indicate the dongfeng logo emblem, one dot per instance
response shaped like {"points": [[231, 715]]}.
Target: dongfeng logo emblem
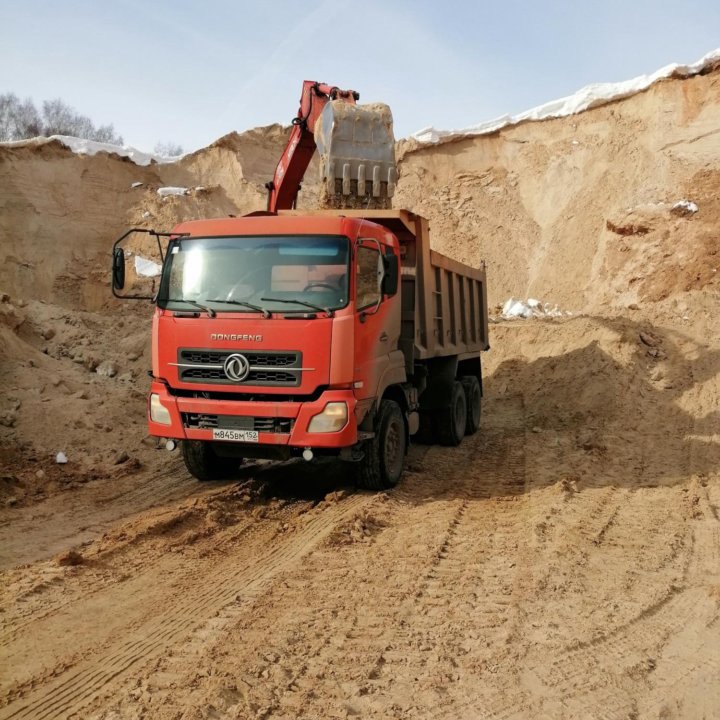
{"points": [[236, 367]]}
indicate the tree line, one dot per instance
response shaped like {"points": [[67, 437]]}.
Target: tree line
{"points": [[21, 119]]}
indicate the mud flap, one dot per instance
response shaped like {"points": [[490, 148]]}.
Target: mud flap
{"points": [[357, 155]]}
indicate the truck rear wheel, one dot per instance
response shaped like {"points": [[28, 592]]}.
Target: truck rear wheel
{"points": [[382, 464], [426, 431], [451, 420], [204, 464], [473, 399]]}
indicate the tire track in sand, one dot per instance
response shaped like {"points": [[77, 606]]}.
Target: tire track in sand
{"points": [[51, 592], [43, 530], [75, 689], [599, 675], [382, 649]]}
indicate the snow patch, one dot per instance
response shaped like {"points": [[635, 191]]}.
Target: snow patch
{"points": [[168, 191], [524, 309], [686, 206], [588, 97], [146, 268], [516, 309], [92, 147]]}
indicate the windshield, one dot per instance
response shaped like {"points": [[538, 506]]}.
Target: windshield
{"points": [[252, 274]]}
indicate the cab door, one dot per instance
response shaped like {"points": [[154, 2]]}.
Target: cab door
{"points": [[377, 321]]}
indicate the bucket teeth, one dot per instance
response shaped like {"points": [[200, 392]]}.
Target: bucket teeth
{"points": [[357, 155]]}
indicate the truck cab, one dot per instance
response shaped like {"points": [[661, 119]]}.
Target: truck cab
{"points": [[281, 335]]}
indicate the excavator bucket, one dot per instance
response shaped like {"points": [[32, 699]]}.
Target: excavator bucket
{"points": [[357, 155]]}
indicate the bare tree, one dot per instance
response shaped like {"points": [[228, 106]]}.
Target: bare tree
{"points": [[30, 121], [106, 133], [18, 119], [61, 119], [168, 149], [57, 118], [9, 105]]}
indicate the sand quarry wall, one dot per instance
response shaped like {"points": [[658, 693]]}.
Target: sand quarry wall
{"points": [[576, 210], [60, 212]]}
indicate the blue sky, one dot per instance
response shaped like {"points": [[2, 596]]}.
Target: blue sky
{"points": [[189, 72]]}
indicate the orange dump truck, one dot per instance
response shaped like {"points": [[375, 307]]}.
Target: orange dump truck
{"points": [[336, 332]]}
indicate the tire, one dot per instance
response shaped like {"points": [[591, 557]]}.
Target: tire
{"points": [[203, 464], [382, 464], [451, 419], [473, 400]]}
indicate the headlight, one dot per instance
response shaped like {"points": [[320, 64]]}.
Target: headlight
{"points": [[333, 418], [158, 412]]}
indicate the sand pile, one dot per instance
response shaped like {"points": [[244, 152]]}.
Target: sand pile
{"points": [[74, 359], [62, 211]]}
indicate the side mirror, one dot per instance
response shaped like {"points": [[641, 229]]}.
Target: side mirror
{"points": [[390, 279], [118, 269]]}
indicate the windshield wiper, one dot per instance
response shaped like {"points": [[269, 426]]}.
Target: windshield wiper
{"points": [[211, 313], [327, 311], [256, 308]]}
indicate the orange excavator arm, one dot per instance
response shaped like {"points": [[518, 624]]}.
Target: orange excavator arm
{"points": [[355, 142], [284, 187]]}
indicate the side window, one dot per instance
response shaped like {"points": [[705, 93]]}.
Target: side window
{"points": [[369, 275]]}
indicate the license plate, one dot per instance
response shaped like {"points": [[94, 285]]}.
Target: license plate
{"points": [[235, 435]]}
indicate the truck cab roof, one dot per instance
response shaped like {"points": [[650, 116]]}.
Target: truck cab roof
{"points": [[272, 224]]}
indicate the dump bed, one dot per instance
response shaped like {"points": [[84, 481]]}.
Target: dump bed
{"points": [[444, 302]]}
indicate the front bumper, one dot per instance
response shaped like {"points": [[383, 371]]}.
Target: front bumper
{"points": [[300, 413]]}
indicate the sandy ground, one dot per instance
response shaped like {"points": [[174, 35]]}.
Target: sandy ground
{"points": [[563, 563]]}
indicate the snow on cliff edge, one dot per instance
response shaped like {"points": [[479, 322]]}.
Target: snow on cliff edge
{"points": [[588, 97], [92, 147]]}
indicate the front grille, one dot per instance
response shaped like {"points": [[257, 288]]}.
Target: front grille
{"points": [[256, 377], [274, 369], [202, 421], [214, 357]]}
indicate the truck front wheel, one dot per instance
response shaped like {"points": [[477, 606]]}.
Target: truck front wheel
{"points": [[382, 464], [204, 464]]}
